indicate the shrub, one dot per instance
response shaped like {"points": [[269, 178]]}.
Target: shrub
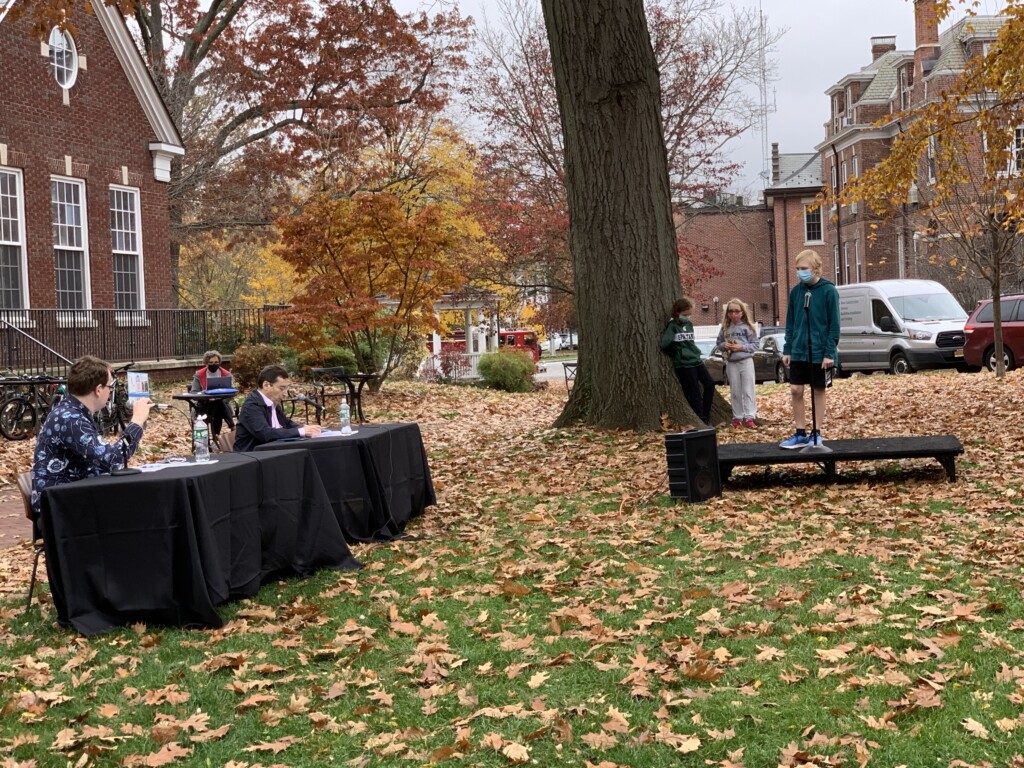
{"points": [[327, 357], [507, 370], [250, 359]]}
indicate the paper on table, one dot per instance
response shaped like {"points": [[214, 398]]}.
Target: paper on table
{"points": [[336, 433]]}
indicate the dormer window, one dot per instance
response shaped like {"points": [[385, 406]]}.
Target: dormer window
{"points": [[63, 58]]}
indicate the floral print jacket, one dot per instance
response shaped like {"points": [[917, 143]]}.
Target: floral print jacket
{"points": [[69, 447]]}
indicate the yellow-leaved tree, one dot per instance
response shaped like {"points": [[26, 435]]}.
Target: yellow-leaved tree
{"points": [[373, 262], [959, 160]]}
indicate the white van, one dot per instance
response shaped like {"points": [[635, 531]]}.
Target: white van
{"points": [[899, 326]]}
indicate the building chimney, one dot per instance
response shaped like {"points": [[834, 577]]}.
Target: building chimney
{"points": [[775, 162], [926, 35], [881, 46]]}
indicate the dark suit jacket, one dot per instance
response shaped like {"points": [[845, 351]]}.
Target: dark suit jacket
{"points": [[254, 424]]}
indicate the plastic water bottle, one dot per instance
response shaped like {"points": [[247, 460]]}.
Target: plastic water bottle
{"points": [[345, 414], [200, 439]]}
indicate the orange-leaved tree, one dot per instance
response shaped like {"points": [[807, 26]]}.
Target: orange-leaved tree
{"points": [[959, 158], [374, 263]]}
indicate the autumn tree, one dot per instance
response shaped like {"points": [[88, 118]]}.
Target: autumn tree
{"points": [[621, 232], [374, 263], [961, 155], [254, 87]]}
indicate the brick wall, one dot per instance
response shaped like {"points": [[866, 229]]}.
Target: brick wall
{"points": [[102, 129], [735, 242], [790, 240]]}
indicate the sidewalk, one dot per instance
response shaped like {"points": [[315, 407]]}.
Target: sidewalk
{"points": [[14, 526]]}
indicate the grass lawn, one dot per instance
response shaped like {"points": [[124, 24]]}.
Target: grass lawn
{"points": [[557, 608]]}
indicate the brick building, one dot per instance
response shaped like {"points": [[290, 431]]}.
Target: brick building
{"points": [[854, 244], [862, 124], [734, 240], [86, 146]]}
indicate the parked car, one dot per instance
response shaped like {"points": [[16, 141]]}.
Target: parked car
{"points": [[980, 347], [768, 365], [771, 330]]}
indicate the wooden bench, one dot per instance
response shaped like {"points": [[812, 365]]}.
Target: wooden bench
{"points": [[944, 448]]}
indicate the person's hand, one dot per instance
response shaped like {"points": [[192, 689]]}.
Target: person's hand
{"points": [[140, 410], [785, 360], [826, 362], [311, 430]]}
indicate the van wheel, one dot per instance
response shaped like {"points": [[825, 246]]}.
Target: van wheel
{"points": [[990, 359], [898, 363]]}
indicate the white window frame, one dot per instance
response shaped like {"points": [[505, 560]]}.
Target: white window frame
{"points": [[68, 42], [844, 174], [835, 178], [932, 158], [20, 244], [856, 260], [846, 261], [74, 315], [136, 196], [835, 263], [821, 223]]}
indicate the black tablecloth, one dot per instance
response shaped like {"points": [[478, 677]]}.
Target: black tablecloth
{"points": [[167, 547], [377, 479]]}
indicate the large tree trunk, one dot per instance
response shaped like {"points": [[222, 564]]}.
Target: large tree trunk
{"points": [[621, 233]]}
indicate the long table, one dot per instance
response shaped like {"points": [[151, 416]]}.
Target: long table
{"points": [[167, 547], [376, 478]]}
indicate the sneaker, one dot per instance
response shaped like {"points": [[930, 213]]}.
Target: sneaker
{"points": [[737, 423], [796, 441], [750, 423], [814, 439]]}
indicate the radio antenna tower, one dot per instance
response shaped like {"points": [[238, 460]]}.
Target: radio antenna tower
{"points": [[766, 171]]}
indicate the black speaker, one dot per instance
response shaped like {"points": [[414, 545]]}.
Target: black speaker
{"points": [[693, 465]]}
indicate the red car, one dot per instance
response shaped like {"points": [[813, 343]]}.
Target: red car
{"points": [[980, 347]]}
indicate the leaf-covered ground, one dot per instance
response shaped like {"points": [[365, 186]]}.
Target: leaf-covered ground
{"points": [[556, 608]]}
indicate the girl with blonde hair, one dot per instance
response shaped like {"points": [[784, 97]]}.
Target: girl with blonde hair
{"points": [[738, 340]]}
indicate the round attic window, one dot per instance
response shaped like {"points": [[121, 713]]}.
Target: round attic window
{"points": [[63, 57]]}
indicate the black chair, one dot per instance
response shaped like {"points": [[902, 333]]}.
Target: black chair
{"points": [[25, 486]]}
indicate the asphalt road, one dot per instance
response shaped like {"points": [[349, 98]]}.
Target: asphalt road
{"points": [[553, 371]]}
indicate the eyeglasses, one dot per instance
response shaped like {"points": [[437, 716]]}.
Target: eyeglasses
{"points": [[109, 384], [735, 311]]}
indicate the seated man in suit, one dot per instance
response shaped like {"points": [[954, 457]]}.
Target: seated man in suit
{"points": [[262, 419]]}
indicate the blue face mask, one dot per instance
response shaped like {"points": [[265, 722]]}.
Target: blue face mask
{"points": [[805, 275]]}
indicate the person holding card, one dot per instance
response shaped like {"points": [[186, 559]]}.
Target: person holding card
{"points": [[69, 446], [217, 412]]}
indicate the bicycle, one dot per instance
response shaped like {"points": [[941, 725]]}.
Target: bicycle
{"points": [[116, 412], [22, 412]]}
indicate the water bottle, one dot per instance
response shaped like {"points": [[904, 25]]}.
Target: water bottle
{"points": [[346, 417], [200, 439]]}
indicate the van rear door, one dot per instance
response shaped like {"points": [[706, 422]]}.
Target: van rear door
{"points": [[854, 324], [885, 326]]}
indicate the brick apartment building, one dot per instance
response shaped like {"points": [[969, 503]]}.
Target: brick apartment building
{"points": [[86, 146], [854, 244], [893, 82]]}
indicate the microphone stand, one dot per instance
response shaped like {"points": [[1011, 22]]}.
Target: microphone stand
{"points": [[815, 446]]}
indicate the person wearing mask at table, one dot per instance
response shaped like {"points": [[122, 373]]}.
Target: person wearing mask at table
{"points": [[69, 447], [218, 412], [262, 419]]}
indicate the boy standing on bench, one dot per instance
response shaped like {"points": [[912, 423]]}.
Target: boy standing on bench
{"points": [[814, 301]]}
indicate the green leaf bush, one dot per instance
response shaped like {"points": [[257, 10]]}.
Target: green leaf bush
{"points": [[330, 356], [509, 371]]}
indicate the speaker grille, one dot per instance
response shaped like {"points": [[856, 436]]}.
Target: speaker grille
{"points": [[693, 465]]}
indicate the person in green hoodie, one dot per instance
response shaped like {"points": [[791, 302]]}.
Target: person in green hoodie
{"points": [[810, 366], [677, 343]]}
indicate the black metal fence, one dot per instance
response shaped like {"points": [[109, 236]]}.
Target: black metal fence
{"points": [[44, 340]]}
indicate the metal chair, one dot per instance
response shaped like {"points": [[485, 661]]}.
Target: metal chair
{"points": [[25, 486]]}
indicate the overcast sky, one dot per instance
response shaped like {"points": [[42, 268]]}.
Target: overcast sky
{"points": [[824, 40]]}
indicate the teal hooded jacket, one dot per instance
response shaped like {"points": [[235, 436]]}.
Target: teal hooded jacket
{"points": [[824, 312]]}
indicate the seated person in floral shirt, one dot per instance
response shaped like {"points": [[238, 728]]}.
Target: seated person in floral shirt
{"points": [[69, 446]]}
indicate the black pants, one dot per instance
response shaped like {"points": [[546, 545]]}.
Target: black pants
{"points": [[699, 390], [217, 412]]}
